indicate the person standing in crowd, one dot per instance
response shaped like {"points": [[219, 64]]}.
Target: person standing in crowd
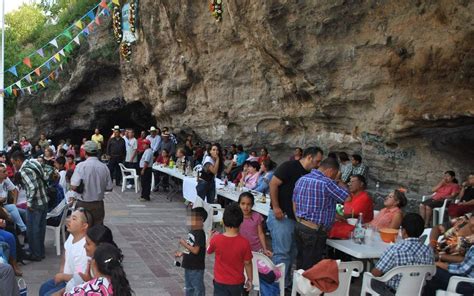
{"points": [[145, 170], [154, 138], [131, 159], [116, 152], [140, 148], [212, 166], [314, 199], [94, 178], [297, 154], [167, 144], [281, 218], [32, 177], [98, 138], [43, 142], [241, 155]]}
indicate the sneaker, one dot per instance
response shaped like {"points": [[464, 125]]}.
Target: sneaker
{"points": [[143, 199], [129, 186]]}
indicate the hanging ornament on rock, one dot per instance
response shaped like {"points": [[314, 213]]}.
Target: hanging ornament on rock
{"points": [[131, 16], [126, 50], [215, 6], [117, 24]]}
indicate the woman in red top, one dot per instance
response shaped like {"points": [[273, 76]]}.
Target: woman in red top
{"points": [[162, 178], [263, 155], [70, 165], [82, 151], [447, 188], [140, 148], [359, 201]]}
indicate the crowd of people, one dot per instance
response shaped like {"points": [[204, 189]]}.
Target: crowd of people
{"points": [[304, 191]]}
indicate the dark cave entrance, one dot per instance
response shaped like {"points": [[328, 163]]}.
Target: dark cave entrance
{"points": [[135, 115]]}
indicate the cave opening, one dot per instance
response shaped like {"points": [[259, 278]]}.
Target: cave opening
{"points": [[135, 115]]}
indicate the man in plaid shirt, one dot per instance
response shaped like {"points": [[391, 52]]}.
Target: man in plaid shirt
{"points": [[445, 271], [410, 251], [33, 179]]}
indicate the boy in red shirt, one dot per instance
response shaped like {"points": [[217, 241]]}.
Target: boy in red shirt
{"points": [[233, 254]]}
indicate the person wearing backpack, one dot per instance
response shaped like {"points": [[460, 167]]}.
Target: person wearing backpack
{"points": [[33, 178]]}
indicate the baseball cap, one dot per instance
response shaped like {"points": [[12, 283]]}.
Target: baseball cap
{"points": [[90, 146]]}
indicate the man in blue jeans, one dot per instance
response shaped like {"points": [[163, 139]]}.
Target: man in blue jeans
{"points": [[32, 176], [281, 218]]}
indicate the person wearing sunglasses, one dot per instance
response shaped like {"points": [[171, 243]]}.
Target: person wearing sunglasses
{"points": [[75, 258]]}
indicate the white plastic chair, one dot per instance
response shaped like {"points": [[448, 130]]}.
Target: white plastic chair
{"points": [[347, 270], [438, 213], [267, 261], [218, 213], [59, 230], [412, 280], [425, 237], [452, 285], [128, 174]]}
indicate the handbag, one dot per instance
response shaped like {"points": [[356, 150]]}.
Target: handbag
{"points": [[341, 230]]}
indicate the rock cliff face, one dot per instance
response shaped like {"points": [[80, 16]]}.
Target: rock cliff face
{"points": [[392, 80]]}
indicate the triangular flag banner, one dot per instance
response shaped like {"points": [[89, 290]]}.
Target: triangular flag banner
{"points": [[116, 2], [76, 39], [86, 32], [91, 27], [54, 42], [54, 60], [67, 34], [35, 87], [18, 83], [15, 92], [46, 80], [97, 20], [91, 15], [51, 76], [106, 11], [29, 90], [56, 73], [13, 71], [8, 90], [79, 24], [48, 64], [103, 4], [68, 48], [38, 71], [42, 83], [27, 61], [61, 66], [22, 91], [28, 78], [57, 57], [61, 52], [40, 52]]}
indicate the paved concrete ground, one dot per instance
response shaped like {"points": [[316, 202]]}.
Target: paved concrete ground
{"points": [[148, 235]]}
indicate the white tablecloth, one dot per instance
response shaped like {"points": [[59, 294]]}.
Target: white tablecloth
{"points": [[370, 250]]}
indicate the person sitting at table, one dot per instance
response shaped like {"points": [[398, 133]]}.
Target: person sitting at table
{"points": [[391, 215], [297, 154], [160, 177], [444, 271], [409, 251], [245, 167], [447, 188], [181, 158], [457, 238], [250, 177], [263, 155], [266, 174], [466, 197], [359, 201]]}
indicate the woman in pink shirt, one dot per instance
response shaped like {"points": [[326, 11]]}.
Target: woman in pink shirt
{"points": [[391, 215], [250, 178], [447, 188]]}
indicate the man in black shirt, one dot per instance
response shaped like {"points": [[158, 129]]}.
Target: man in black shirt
{"points": [[116, 150], [194, 253], [281, 218]]}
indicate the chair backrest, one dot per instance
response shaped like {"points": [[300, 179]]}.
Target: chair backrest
{"points": [[345, 276], [58, 209], [413, 278], [122, 167], [63, 217], [267, 261], [425, 237]]}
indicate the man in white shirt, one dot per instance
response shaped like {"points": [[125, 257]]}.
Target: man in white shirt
{"points": [[74, 259], [154, 139], [131, 159]]}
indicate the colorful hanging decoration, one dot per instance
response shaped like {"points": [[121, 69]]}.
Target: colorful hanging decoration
{"points": [[126, 50], [215, 6], [117, 24], [131, 16]]}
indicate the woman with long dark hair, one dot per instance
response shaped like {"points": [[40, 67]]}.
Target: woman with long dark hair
{"points": [[212, 166], [109, 276]]}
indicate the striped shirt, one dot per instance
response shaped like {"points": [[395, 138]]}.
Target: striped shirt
{"points": [[33, 178], [466, 267], [315, 197]]}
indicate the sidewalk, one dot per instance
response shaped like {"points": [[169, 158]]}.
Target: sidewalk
{"points": [[148, 235]]}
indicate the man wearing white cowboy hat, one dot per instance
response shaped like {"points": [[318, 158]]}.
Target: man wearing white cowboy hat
{"points": [[116, 150], [154, 138]]}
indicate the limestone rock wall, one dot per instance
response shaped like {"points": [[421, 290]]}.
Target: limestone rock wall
{"points": [[392, 80]]}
